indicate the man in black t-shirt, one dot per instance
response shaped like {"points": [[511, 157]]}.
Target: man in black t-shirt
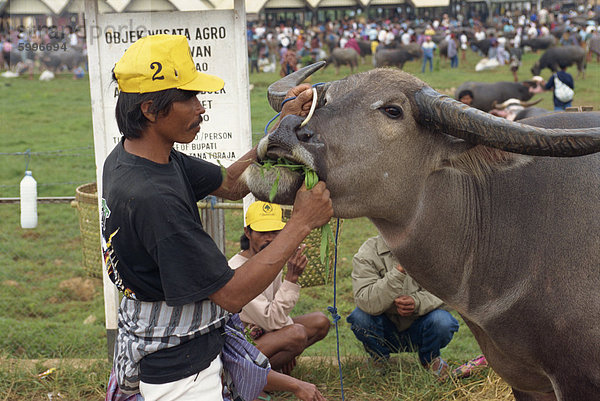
{"points": [[178, 286]]}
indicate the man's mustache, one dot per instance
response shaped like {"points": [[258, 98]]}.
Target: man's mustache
{"points": [[195, 124]]}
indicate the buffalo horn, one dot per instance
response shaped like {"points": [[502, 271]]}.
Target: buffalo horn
{"points": [[277, 91], [454, 118], [525, 104], [508, 102]]}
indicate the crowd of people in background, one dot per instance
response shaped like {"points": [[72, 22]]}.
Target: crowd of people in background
{"points": [[289, 44], [29, 51], [501, 41]]}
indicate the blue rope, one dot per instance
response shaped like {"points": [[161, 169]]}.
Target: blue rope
{"points": [[212, 200], [277, 115], [333, 309], [270, 121]]}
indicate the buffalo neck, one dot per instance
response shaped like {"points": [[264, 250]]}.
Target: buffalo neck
{"points": [[456, 245]]}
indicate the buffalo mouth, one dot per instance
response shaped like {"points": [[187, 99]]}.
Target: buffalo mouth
{"points": [[277, 176]]}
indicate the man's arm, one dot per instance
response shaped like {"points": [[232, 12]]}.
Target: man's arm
{"points": [[233, 187], [275, 314], [312, 209], [303, 390]]}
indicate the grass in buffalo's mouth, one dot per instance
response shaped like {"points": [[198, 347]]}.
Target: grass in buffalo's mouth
{"points": [[310, 176], [310, 180]]}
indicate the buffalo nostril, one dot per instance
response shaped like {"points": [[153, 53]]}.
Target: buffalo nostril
{"points": [[304, 135]]}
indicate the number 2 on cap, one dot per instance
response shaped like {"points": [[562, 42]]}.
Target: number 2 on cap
{"points": [[158, 69]]}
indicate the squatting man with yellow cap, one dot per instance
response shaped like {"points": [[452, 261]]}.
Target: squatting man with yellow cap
{"points": [[267, 317], [178, 287]]}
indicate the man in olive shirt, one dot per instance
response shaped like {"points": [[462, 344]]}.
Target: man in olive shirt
{"points": [[394, 314]]}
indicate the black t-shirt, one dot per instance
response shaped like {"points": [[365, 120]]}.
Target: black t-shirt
{"points": [[157, 250], [157, 246]]}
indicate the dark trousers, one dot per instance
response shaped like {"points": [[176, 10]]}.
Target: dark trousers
{"points": [[426, 335]]}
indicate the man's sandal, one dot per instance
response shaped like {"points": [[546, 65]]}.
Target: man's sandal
{"points": [[467, 369]]}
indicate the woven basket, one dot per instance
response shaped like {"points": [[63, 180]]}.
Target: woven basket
{"points": [[316, 272], [86, 201]]}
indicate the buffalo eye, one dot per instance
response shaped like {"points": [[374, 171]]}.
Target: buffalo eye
{"points": [[392, 111]]}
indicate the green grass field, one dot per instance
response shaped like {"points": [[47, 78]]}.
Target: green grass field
{"points": [[53, 313]]}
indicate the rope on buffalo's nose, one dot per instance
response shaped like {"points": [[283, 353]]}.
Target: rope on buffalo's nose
{"points": [[277, 115], [333, 309]]}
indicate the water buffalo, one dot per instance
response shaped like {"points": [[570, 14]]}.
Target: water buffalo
{"points": [[594, 45], [345, 56], [542, 42], [483, 46], [332, 40], [471, 208], [365, 48], [530, 112], [486, 93], [413, 48], [562, 56], [392, 57], [69, 59], [511, 108]]}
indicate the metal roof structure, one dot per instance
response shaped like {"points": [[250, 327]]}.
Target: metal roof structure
{"points": [[57, 7]]}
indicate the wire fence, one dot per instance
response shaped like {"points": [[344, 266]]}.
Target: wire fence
{"points": [[9, 183]]}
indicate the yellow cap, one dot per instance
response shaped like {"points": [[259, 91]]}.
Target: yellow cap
{"points": [[263, 217], [158, 62]]}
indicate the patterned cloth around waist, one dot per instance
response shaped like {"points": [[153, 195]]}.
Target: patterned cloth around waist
{"points": [[246, 368], [147, 327]]}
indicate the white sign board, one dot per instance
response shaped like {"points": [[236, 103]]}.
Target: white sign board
{"points": [[225, 134], [218, 45]]}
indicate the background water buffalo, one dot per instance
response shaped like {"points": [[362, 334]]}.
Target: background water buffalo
{"points": [[69, 58], [483, 46], [501, 233], [486, 93], [513, 108], [443, 49], [530, 112], [562, 56], [594, 45], [341, 56], [365, 48], [541, 43], [332, 40], [393, 57]]}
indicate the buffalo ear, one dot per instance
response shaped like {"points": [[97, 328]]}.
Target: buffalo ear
{"points": [[480, 161]]}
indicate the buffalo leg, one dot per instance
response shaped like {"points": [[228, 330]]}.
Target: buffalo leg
{"points": [[528, 396]]}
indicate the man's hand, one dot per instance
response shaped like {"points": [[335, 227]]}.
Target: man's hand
{"points": [[299, 106], [400, 268], [308, 392], [296, 264], [405, 305], [287, 369], [312, 208]]}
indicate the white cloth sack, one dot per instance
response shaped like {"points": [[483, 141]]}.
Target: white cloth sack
{"points": [[562, 91]]}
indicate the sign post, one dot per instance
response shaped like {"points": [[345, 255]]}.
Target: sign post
{"points": [[217, 40]]}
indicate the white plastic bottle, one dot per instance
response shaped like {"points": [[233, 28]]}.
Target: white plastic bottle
{"points": [[28, 201]]}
